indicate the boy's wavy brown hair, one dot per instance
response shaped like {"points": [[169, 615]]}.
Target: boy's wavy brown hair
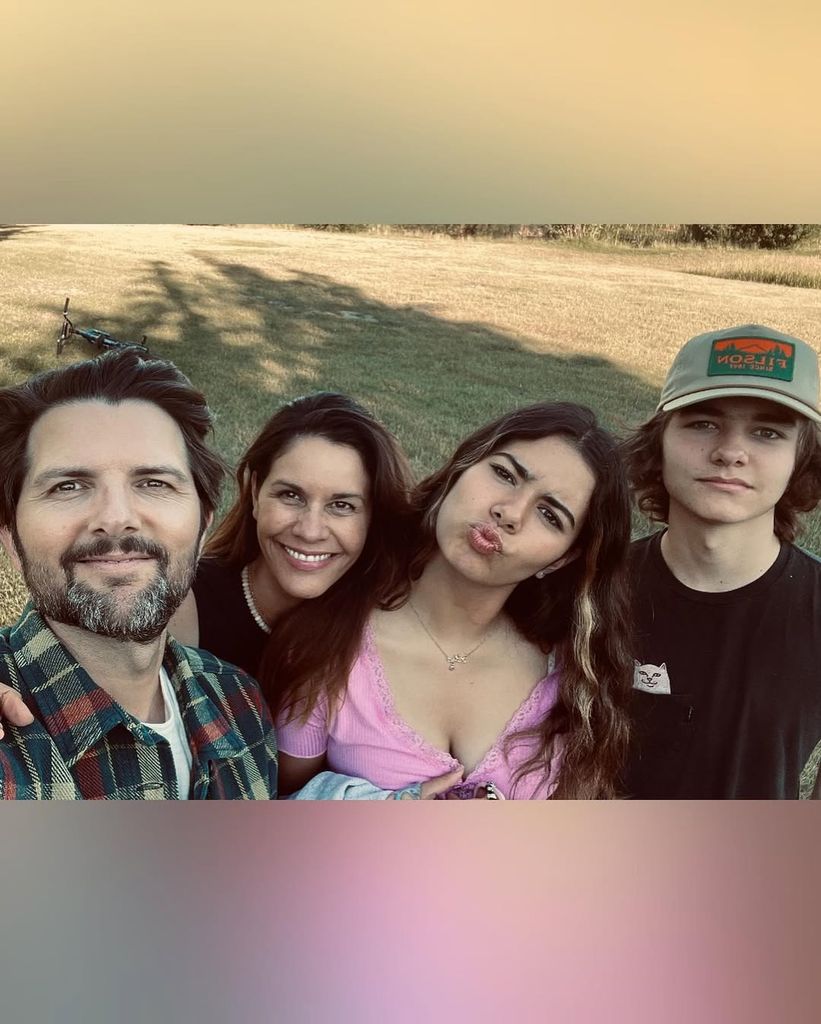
{"points": [[642, 453]]}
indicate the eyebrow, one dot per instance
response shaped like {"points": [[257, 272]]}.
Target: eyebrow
{"points": [[522, 471], [334, 497], [84, 473], [172, 471], [525, 475]]}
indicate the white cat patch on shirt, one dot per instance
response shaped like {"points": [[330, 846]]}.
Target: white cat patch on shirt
{"points": [[651, 678]]}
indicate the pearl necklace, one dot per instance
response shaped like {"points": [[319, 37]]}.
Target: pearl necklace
{"points": [[249, 600]]}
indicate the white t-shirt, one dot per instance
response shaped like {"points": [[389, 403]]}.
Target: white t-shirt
{"points": [[173, 730]]}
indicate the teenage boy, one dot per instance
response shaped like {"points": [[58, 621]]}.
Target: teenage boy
{"points": [[107, 489], [727, 695]]}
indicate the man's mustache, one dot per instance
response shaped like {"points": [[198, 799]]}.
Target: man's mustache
{"points": [[131, 545]]}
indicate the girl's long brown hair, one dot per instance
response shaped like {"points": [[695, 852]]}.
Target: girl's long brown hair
{"points": [[580, 611], [313, 644]]}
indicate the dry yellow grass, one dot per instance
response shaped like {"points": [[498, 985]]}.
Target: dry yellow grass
{"points": [[12, 591], [799, 269], [434, 334]]}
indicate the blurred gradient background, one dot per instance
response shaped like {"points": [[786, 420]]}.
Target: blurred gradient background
{"points": [[383, 912], [250, 112], [368, 111]]}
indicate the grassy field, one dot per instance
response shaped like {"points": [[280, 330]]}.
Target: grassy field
{"points": [[435, 335]]}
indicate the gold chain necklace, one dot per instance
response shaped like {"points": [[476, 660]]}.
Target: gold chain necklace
{"points": [[452, 659]]}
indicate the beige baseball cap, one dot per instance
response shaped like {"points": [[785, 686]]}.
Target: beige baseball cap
{"points": [[751, 361]]}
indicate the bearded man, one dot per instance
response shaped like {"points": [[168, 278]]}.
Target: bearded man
{"points": [[108, 487]]}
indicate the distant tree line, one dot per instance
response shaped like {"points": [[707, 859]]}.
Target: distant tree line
{"points": [[753, 236]]}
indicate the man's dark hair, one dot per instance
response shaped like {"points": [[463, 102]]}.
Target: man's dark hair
{"points": [[113, 378], [642, 454]]}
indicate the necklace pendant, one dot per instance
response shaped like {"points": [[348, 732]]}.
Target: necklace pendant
{"points": [[456, 659]]}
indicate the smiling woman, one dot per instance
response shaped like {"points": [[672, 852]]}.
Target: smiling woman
{"points": [[503, 659], [321, 505], [312, 512]]}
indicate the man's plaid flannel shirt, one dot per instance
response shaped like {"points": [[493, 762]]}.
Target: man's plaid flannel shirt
{"points": [[84, 746]]}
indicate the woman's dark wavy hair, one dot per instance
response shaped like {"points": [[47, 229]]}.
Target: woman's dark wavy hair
{"points": [[580, 611], [313, 644], [642, 453], [113, 378]]}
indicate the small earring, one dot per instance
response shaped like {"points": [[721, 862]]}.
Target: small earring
{"points": [[540, 575]]}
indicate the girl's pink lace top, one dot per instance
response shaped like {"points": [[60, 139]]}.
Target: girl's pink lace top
{"points": [[368, 739]]}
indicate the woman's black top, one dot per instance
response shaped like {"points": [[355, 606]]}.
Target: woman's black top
{"points": [[226, 626]]}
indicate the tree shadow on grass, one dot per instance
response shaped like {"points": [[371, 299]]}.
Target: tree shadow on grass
{"points": [[10, 230], [25, 365], [430, 379], [253, 338]]}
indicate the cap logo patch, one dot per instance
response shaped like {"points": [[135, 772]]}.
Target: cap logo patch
{"points": [[752, 357]]}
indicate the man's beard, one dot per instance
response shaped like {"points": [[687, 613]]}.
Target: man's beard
{"points": [[74, 603]]}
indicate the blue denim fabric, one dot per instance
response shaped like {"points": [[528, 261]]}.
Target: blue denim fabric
{"points": [[330, 786]]}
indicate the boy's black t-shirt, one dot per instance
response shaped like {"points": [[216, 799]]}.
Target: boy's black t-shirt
{"points": [[743, 714]]}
